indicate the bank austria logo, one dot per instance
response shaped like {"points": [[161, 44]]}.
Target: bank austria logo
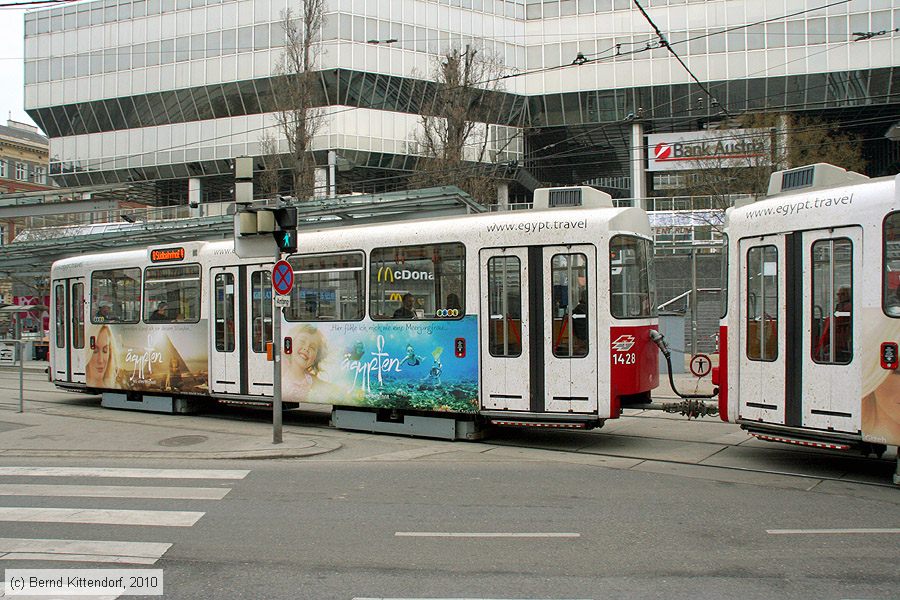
{"points": [[623, 343], [747, 143], [387, 274], [662, 151]]}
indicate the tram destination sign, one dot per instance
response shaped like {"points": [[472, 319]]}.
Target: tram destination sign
{"points": [[166, 254]]}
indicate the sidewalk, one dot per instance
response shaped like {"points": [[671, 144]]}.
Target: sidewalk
{"points": [[58, 423]]}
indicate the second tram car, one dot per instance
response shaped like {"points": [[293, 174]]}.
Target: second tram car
{"points": [[538, 317], [812, 327]]}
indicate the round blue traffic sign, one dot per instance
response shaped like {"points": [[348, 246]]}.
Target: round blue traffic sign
{"points": [[282, 278]]}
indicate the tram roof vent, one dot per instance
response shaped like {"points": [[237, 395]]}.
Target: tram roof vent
{"points": [[571, 197], [812, 177]]}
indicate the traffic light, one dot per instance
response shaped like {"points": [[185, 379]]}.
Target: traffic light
{"points": [[286, 240], [286, 232], [255, 225]]}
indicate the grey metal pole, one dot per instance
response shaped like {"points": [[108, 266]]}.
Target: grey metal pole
{"points": [[693, 301], [276, 358], [20, 346]]}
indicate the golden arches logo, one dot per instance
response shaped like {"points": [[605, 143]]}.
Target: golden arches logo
{"points": [[388, 275], [395, 297]]}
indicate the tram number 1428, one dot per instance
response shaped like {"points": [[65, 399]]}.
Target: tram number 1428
{"points": [[624, 358]]}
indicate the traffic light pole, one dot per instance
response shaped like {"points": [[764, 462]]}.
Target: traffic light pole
{"points": [[276, 358]]}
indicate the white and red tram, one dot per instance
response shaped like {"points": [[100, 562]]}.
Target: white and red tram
{"points": [[537, 317], [812, 327]]}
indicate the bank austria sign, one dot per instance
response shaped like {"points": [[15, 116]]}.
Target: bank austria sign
{"points": [[704, 149]]}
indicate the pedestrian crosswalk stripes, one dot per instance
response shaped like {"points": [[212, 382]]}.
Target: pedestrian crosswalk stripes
{"points": [[68, 551], [158, 518], [114, 491], [124, 472], [142, 553]]}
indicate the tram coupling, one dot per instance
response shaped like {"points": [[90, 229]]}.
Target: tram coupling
{"points": [[691, 408]]}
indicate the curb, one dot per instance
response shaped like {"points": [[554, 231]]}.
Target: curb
{"points": [[313, 448]]}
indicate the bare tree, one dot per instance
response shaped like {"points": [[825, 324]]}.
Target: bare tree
{"points": [[269, 179], [790, 142], [295, 91], [455, 140]]}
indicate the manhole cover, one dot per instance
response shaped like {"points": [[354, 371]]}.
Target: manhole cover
{"points": [[183, 440]]}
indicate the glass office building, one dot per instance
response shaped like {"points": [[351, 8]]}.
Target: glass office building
{"points": [[168, 90]]}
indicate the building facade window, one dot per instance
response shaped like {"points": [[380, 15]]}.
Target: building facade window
{"points": [[21, 171]]}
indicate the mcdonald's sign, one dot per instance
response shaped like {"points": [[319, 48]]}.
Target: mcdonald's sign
{"points": [[388, 275]]}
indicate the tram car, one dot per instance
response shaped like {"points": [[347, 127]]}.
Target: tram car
{"points": [[812, 326], [535, 318]]}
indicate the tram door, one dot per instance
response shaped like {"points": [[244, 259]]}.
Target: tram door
{"points": [[505, 330], [797, 334], [68, 346], [831, 379], [538, 330], [258, 321], [226, 342], [762, 329]]}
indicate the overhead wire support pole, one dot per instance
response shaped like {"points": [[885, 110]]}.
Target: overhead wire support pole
{"points": [[665, 44]]}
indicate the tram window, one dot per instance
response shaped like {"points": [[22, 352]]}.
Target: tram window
{"points": [[431, 277], [78, 315], [891, 279], [505, 306], [172, 294], [762, 303], [60, 309], [631, 278], [261, 309], [224, 312], [832, 301], [329, 287], [116, 296], [570, 305]]}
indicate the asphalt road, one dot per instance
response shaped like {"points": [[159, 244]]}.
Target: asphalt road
{"points": [[648, 507], [476, 527]]}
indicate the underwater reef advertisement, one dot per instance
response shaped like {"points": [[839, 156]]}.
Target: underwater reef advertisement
{"points": [[396, 364]]}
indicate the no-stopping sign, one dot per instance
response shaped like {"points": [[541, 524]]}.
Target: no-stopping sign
{"points": [[282, 278]]}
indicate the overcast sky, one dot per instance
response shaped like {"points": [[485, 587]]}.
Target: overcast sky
{"points": [[12, 44]]}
